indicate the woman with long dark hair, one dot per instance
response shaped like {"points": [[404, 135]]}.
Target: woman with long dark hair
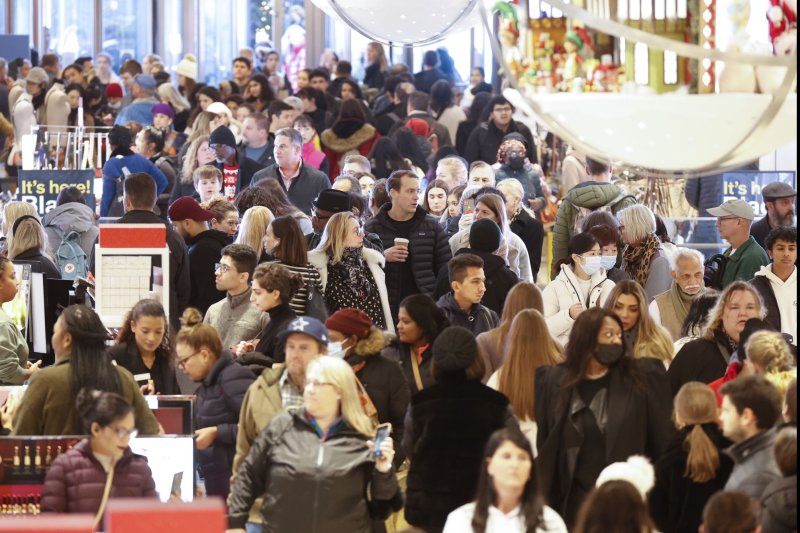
{"points": [[350, 132], [615, 506], [385, 158], [259, 93], [509, 498], [82, 361], [408, 145], [276, 201], [598, 407], [143, 348], [477, 114], [202, 97]]}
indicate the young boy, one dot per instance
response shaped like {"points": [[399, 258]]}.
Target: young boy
{"points": [[208, 182]]}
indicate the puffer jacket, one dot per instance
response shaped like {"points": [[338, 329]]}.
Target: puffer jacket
{"points": [[76, 480], [779, 506], [219, 401], [310, 484], [478, 320], [591, 195], [336, 147], [562, 293], [428, 251], [73, 216]]}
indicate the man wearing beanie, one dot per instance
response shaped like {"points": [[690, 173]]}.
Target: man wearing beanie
{"points": [[139, 110], [446, 429], [484, 240], [277, 389], [205, 249], [463, 306], [237, 173]]}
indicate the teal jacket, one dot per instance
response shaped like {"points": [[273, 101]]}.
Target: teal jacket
{"points": [[744, 262]]}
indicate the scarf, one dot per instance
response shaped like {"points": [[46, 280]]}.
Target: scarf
{"points": [[680, 300], [636, 259], [725, 340], [356, 271]]}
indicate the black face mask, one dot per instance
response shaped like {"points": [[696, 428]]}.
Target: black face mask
{"points": [[516, 161], [609, 354]]}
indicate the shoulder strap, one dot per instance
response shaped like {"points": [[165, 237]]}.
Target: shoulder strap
{"points": [[106, 494], [415, 368]]}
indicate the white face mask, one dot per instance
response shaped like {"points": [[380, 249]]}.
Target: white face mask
{"points": [[337, 349], [591, 264], [608, 261]]}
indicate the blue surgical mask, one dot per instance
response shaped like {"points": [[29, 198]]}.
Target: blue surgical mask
{"points": [[335, 350], [608, 261], [591, 264]]}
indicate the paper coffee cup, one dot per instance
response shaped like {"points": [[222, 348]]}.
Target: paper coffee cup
{"points": [[399, 241]]}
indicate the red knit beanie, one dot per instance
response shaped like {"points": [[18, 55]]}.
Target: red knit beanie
{"points": [[113, 90], [350, 322]]}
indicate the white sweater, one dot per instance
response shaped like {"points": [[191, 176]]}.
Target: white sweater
{"points": [[460, 521], [786, 295]]}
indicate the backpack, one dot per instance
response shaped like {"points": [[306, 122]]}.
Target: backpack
{"points": [[70, 257], [715, 270], [584, 212], [117, 208]]}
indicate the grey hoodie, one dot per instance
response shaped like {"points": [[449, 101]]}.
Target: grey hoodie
{"points": [[71, 217]]}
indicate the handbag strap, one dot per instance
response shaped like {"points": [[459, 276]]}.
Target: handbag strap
{"points": [[106, 494], [415, 368]]}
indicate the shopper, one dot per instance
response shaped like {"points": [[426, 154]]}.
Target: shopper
{"points": [[508, 496], [729, 512], [779, 201], [237, 172], [27, 241], [350, 132], [462, 305], [485, 140], [197, 157], [777, 282], [644, 257], [614, 506], [447, 427], [71, 214], [435, 199], [511, 156], [321, 449], [15, 368], [671, 307], [744, 256], [522, 222], [143, 347], [77, 480], [226, 216], [607, 234], [779, 502], [223, 384], [82, 361], [253, 229]]}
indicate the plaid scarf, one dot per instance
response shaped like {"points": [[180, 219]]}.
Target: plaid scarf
{"points": [[636, 259]]}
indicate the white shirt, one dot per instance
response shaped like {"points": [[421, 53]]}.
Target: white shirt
{"points": [[460, 521]]}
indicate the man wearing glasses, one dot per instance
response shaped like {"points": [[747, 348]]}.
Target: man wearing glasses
{"points": [[328, 203], [745, 256], [484, 141]]}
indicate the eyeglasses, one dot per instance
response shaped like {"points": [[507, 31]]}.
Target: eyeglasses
{"points": [[316, 384], [182, 362], [123, 433], [318, 217], [222, 267]]}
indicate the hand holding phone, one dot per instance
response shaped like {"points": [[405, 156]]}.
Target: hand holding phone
{"points": [[469, 206], [383, 431]]}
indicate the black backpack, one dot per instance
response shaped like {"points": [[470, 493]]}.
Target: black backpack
{"points": [[715, 270]]}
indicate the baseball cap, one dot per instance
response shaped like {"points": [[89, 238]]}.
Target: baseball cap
{"points": [[308, 326], [333, 201], [187, 208], [735, 208], [145, 81], [777, 189]]}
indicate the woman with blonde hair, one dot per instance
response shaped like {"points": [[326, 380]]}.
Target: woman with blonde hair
{"points": [[453, 171], [200, 127], [13, 211], [253, 228], [377, 66], [197, 154], [169, 94], [322, 449], [642, 336], [27, 241], [706, 358], [223, 384], [352, 274], [530, 347], [769, 354], [512, 248], [493, 343], [693, 467], [644, 258]]}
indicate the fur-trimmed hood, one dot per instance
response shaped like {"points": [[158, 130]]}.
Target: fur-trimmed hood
{"points": [[341, 145], [376, 341]]}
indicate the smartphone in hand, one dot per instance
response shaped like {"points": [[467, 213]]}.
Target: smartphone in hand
{"points": [[469, 206], [383, 431]]}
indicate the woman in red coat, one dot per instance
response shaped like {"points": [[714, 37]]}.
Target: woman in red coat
{"points": [[76, 480], [349, 134]]}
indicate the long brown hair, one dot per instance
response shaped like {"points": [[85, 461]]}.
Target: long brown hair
{"points": [[523, 295], [291, 248], [695, 405], [151, 308], [530, 346]]}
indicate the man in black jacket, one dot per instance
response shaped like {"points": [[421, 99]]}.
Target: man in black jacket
{"points": [[462, 305], [205, 250], [417, 107], [484, 141], [430, 73], [237, 173], [139, 198], [413, 263], [302, 182]]}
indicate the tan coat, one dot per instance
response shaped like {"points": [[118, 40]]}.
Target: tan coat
{"points": [[261, 403]]}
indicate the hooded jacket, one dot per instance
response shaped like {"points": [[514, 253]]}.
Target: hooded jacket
{"points": [[562, 293], [780, 299], [205, 250], [517, 252], [76, 480], [755, 467], [360, 141], [500, 279], [478, 320], [69, 217], [779, 506], [590, 195]]}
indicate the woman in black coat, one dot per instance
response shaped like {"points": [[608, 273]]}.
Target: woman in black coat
{"points": [[223, 384], [27, 241], [353, 336], [683, 487], [447, 428], [274, 286], [598, 407]]}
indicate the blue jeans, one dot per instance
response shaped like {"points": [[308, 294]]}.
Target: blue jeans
{"points": [[252, 527]]}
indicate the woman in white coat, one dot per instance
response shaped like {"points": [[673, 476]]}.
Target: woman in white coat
{"points": [[512, 248], [581, 284], [352, 276]]}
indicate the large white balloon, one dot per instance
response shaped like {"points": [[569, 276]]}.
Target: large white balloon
{"points": [[401, 22]]}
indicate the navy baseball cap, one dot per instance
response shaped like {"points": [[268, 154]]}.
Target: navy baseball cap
{"points": [[308, 326]]}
